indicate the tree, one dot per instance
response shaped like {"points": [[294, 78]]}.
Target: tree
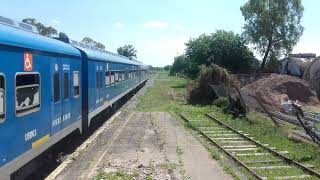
{"points": [[128, 51], [167, 67], [89, 41], [273, 62], [63, 35], [42, 29], [223, 48], [180, 65], [272, 25]]}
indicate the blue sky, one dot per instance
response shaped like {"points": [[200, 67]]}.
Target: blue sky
{"points": [[158, 29]]}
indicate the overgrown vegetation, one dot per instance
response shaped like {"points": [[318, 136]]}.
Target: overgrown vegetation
{"points": [[223, 48], [211, 82], [159, 98]]}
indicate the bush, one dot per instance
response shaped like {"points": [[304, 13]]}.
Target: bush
{"points": [[221, 102], [201, 91]]}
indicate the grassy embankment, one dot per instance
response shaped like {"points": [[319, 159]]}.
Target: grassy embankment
{"points": [[167, 94]]}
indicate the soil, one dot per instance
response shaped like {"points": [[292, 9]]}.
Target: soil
{"points": [[273, 89]]}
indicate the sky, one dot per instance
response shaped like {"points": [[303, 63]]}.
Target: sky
{"points": [[157, 29]]}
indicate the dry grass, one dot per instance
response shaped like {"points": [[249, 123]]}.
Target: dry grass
{"points": [[200, 91]]}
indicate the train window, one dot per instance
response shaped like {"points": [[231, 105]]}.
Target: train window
{"points": [[107, 78], [116, 76], [56, 86], [76, 86], [112, 77], [2, 98], [65, 85], [27, 93], [101, 79], [97, 79], [122, 76]]}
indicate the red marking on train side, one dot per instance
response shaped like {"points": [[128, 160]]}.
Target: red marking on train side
{"points": [[27, 61]]}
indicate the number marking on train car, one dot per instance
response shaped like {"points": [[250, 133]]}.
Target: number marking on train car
{"points": [[29, 135]]}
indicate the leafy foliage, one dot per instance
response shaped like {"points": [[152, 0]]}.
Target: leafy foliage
{"points": [[223, 48], [63, 35], [91, 42], [151, 68], [221, 102], [127, 50], [200, 91], [167, 67], [272, 25], [43, 30], [180, 65], [273, 63]]}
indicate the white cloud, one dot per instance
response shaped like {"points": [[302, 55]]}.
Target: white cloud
{"points": [[178, 26], [156, 25], [161, 51], [118, 25], [55, 21]]}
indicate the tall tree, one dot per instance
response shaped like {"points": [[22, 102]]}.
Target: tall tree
{"points": [[127, 50], [223, 48], [91, 42], [63, 35], [272, 25], [42, 29], [180, 65]]}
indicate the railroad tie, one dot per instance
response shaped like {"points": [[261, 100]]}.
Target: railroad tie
{"points": [[233, 142], [215, 134], [262, 161], [253, 154], [240, 146], [235, 138], [270, 167], [293, 177], [243, 149]]}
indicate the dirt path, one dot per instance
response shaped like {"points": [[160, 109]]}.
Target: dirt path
{"points": [[143, 145]]}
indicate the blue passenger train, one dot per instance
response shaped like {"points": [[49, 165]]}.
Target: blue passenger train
{"points": [[50, 88]]}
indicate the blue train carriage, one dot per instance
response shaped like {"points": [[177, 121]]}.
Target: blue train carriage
{"points": [[108, 77], [40, 93]]}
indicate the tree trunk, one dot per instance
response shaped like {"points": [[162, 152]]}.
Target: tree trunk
{"points": [[266, 55]]}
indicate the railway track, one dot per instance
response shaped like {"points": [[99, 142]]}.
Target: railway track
{"points": [[260, 160]]}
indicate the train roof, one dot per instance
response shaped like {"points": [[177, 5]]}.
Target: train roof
{"points": [[12, 36], [101, 54]]}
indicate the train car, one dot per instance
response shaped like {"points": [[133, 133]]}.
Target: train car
{"points": [[39, 101], [49, 89], [107, 76]]}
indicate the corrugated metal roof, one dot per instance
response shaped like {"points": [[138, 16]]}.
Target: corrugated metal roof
{"points": [[16, 37], [100, 54]]}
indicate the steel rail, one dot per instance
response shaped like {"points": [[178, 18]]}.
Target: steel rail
{"points": [[223, 149], [286, 159]]}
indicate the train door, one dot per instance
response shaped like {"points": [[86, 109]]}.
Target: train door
{"points": [[99, 90], [66, 95], [56, 102]]}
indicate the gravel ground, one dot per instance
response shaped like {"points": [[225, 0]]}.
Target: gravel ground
{"points": [[142, 145]]}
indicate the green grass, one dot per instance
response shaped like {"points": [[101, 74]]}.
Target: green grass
{"points": [[118, 175], [162, 97]]}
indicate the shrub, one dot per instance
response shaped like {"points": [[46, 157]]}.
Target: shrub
{"points": [[221, 102], [201, 90]]}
